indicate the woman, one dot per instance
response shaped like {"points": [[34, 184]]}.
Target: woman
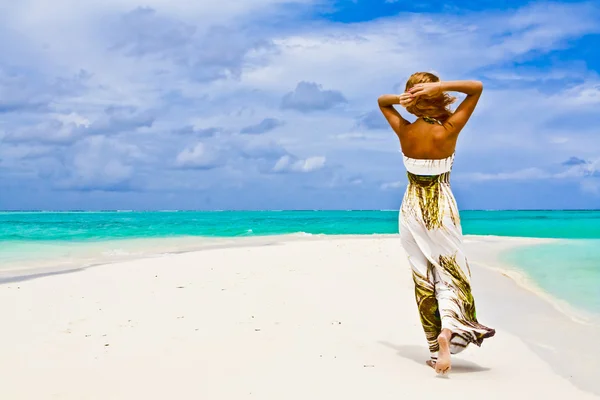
{"points": [[430, 227]]}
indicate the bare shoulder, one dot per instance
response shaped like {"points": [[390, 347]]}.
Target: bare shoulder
{"points": [[393, 117]]}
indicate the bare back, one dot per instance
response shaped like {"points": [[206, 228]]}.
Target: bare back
{"points": [[425, 140]]}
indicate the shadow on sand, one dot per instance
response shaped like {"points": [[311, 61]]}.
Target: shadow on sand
{"points": [[420, 355]]}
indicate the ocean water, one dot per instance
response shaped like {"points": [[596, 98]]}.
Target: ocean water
{"points": [[111, 225], [569, 268]]}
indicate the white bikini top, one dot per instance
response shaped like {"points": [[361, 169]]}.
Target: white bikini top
{"points": [[418, 166]]}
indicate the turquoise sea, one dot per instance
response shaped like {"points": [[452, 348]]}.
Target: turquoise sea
{"points": [[569, 268]]}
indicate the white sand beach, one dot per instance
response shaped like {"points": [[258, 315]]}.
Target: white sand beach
{"points": [[277, 318]]}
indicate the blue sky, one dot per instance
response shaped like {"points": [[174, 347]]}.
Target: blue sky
{"points": [[271, 104]]}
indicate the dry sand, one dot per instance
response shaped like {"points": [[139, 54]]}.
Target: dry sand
{"points": [[327, 318]]}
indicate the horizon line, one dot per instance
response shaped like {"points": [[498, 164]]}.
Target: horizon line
{"points": [[284, 210]]}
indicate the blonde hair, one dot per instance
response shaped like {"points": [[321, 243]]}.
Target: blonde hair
{"points": [[434, 107]]}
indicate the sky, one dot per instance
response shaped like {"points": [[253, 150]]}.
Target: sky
{"points": [[272, 104]]}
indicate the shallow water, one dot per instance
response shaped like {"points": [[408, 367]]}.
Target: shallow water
{"points": [[568, 269]]}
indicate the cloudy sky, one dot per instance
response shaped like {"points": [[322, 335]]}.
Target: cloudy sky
{"points": [[272, 104]]}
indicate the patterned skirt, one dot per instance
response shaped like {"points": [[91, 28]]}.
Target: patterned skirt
{"points": [[431, 235]]}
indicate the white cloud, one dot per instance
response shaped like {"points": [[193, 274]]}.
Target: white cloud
{"points": [[33, 13], [586, 173], [258, 148], [581, 169], [575, 168], [67, 129], [583, 95], [558, 140], [46, 132], [524, 174], [98, 163], [198, 156], [353, 135], [392, 185], [72, 118], [377, 51], [288, 163]]}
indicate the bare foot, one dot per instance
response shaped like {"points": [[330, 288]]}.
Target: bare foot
{"points": [[443, 364]]}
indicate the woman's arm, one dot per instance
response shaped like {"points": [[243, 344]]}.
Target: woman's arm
{"points": [[459, 118], [386, 105], [471, 88]]}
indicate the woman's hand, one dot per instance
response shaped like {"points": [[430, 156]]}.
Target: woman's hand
{"points": [[426, 89], [406, 99]]}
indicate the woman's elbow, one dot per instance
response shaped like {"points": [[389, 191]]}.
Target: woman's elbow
{"points": [[385, 100]]}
